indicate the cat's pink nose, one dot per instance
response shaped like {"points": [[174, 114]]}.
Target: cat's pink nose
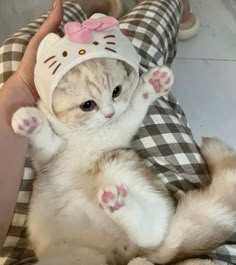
{"points": [[108, 116]]}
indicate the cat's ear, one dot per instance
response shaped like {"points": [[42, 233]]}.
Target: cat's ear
{"points": [[127, 67], [46, 43], [132, 75], [130, 72]]}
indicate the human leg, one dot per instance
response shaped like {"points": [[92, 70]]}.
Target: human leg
{"points": [[165, 140], [153, 27]]}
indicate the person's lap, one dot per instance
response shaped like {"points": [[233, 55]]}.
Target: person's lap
{"points": [[164, 140]]}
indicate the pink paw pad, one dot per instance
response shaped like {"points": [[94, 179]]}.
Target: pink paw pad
{"points": [[107, 195], [26, 121], [156, 73], [112, 197], [28, 126], [123, 190], [155, 84], [167, 81], [164, 74], [161, 79], [145, 95]]}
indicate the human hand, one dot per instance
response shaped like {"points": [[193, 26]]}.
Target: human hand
{"points": [[25, 72]]}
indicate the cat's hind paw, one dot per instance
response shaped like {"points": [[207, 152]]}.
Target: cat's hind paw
{"points": [[159, 79], [112, 197], [26, 121]]}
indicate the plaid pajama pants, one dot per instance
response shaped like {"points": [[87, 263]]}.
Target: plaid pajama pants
{"points": [[164, 140]]}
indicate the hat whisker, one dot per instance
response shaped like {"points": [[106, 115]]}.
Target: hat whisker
{"points": [[57, 67]]}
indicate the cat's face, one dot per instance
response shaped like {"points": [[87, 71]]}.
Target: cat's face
{"points": [[93, 93]]}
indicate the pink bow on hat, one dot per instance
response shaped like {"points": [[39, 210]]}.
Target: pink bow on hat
{"points": [[83, 32]]}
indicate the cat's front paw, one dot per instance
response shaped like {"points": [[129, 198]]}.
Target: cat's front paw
{"points": [[26, 121], [112, 197], [158, 80]]}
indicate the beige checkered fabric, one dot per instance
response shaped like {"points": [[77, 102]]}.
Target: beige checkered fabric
{"points": [[164, 140]]}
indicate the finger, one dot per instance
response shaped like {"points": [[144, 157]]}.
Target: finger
{"points": [[28, 61], [50, 24]]}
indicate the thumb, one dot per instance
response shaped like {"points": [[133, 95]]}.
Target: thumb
{"points": [[25, 70], [50, 25]]}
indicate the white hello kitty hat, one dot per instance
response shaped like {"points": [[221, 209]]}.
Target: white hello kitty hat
{"points": [[97, 37]]}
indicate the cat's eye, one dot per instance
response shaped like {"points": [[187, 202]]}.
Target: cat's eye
{"points": [[88, 105], [116, 92]]}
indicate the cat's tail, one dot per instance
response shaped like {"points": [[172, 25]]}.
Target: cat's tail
{"points": [[204, 218]]}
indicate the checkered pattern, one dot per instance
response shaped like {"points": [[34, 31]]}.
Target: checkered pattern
{"points": [[164, 140]]}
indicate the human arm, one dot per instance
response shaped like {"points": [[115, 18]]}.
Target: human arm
{"points": [[18, 91]]}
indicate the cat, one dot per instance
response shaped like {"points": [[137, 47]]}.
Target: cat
{"points": [[94, 201], [88, 178]]}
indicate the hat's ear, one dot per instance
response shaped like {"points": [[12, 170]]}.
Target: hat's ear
{"points": [[98, 15], [46, 43]]}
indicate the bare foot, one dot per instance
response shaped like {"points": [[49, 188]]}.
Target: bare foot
{"points": [[188, 21], [189, 24], [186, 11]]}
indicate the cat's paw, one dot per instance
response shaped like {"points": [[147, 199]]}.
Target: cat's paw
{"points": [[159, 80], [112, 197], [26, 121]]}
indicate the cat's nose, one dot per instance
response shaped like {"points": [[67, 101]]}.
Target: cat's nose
{"points": [[108, 116]]}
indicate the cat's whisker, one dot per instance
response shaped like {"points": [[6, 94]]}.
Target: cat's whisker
{"points": [[52, 64], [56, 68], [109, 49], [50, 58], [109, 42], [109, 36]]}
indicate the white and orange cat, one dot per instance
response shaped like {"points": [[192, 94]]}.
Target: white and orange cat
{"points": [[94, 202]]}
